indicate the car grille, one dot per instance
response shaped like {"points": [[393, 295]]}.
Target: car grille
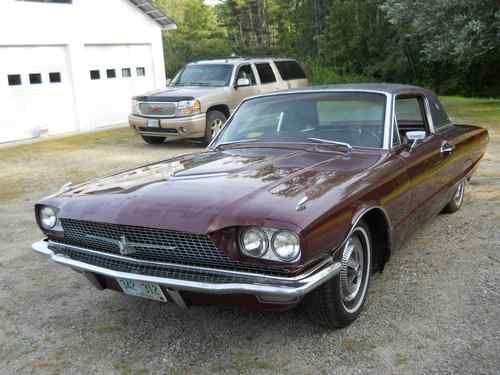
{"points": [[158, 109], [159, 245]]}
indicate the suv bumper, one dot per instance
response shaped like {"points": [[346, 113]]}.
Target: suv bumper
{"points": [[171, 128], [265, 287]]}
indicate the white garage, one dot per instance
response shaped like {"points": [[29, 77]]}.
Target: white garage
{"points": [[73, 65]]}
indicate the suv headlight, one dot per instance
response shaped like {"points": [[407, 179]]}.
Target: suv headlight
{"points": [[188, 107], [256, 243], [48, 218], [135, 107]]}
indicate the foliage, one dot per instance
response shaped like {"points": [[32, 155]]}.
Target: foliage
{"points": [[452, 46]]}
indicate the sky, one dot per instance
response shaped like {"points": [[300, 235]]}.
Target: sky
{"points": [[211, 2]]}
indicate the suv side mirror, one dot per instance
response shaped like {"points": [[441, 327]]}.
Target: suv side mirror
{"points": [[414, 137], [243, 82]]}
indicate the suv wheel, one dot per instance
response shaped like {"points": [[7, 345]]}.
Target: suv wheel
{"points": [[153, 140], [215, 122]]}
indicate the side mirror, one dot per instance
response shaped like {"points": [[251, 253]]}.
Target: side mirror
{"points": [[414, 137], [243, 82]]}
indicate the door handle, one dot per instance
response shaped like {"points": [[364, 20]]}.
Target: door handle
{"points": [[447, 148]]}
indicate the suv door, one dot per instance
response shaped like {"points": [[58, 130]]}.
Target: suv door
{"points": [[291, 73], [240, 93], [268, 80]]}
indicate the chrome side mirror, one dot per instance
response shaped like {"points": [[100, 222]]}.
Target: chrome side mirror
{"points": [[243, 82], [414, 137]]}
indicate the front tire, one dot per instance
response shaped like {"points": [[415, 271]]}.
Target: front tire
{"points": [[215, 122], [339, 301], [153, 140], [457, 200]]}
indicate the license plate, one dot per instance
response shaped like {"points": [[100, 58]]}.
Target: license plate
{"points": [[153, 123], [142, 289]]}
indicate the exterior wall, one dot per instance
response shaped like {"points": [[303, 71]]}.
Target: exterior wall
{"points": [[76, 27]]}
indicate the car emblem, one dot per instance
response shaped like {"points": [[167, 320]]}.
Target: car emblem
{"points": [[156, 109], [125, 247]]}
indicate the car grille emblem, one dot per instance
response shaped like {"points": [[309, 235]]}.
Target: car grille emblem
{"points": [[126, 247]]}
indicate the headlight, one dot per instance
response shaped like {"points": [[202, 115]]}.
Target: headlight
{"points": [[188, 108], [135, 107], [286, 245], [48, 217], [254, 242]]}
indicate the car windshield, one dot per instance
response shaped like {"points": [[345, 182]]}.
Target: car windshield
{"points": [[354, 118], [214, 75]]}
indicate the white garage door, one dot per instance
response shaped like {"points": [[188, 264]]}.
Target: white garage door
{"points": [[35, 91], [116, 74]]}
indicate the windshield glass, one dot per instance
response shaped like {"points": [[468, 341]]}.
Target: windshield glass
{"points": [[214, 75], [353, 118]]}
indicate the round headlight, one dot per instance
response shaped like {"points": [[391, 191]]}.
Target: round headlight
{"points": [[253, 242], [286, 245], [48, 217]]}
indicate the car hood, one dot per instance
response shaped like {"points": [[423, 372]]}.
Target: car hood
{"points": [[179, 93], [205, 192]]}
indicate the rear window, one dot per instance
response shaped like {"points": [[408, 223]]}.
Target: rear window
{"points": [[266, 73], [290, 70]]}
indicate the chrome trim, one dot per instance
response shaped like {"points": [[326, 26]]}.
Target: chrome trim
{"points": [[138, 106], [428, 114], [274, 286]]}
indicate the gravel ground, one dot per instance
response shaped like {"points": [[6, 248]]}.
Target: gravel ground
{"points": [[434, 310]]}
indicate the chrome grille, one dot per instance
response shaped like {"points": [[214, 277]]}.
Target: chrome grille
{"points": [[166, 109], [159, 245]]}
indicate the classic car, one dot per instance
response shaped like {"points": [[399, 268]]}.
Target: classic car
{"points": [[300, 198]]}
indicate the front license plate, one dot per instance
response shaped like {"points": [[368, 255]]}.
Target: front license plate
{"points": [[152, 123], [142, 289]]}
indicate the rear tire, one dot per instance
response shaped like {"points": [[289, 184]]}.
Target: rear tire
{"points": [[457, 200], [153, 140], [215, 122], [339, 301]]}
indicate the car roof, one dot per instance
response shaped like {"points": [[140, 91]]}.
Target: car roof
{"points": [[236, 60], [389, 88]]}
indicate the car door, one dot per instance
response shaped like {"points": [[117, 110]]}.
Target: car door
{"points": [[425, 163], [267, 78], [240, 93]]}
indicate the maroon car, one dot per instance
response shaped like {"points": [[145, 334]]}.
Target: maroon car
{"points": [[298, 200]]}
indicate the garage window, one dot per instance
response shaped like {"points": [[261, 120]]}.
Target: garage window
{"points": [[141, 71], [95, 74], [126, 72], [55, 77], [35, 78], [14, 79], [111, 73]]}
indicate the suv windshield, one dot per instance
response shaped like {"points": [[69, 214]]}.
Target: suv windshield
{"points": [[213, 75], [353, 118]]}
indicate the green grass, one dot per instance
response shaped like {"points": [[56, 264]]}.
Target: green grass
{"points": [[475, 111]]}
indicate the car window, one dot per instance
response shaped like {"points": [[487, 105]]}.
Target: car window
{"points": [[215, 75], [246, 71], [354, 118], [410, 115], [266, 73], [290, 70]]}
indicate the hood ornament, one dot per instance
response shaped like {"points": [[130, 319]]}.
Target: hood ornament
{"points": [[301, 205], [66, 187]]}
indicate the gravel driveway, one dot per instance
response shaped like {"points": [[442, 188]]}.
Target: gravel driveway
{"points": [[435, 309]]}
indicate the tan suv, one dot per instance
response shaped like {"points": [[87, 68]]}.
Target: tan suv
{"points": [[203, 95]]}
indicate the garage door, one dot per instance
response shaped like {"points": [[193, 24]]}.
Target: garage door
{"points": [[116, 74], [35, 91]]}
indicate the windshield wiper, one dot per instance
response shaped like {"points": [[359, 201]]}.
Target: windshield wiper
{"points": [[241, 141], [321, 140]]}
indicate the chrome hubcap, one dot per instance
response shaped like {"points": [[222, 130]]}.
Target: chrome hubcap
{"points": [[459, 194], [215, 126], [352, 268]]}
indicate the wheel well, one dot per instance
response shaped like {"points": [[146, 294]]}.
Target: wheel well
{"points": [[221, 108], [378, 223]]}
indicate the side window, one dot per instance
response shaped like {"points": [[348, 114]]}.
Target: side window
{"points": [[246, 71], [439, 116], [290, 70], [266, 73], [410, 115]]}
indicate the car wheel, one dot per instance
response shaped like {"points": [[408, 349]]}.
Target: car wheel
{"points": [[215, 122], [456, 201], [339, 301], [153, 140]]}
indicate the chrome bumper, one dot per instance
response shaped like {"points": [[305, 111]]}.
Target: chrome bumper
{"points": [[171, 128], [265, 287]]}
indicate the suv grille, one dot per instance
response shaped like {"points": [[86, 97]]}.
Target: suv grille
{"points": [[158, 109], [159, 245]]}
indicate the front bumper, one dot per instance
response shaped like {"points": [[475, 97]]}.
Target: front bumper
{"points": [[171, 128], [264, 287]]}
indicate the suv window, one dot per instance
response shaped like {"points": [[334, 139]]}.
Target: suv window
{"points": [[266, 73], [290, 70], [246, 71]]}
